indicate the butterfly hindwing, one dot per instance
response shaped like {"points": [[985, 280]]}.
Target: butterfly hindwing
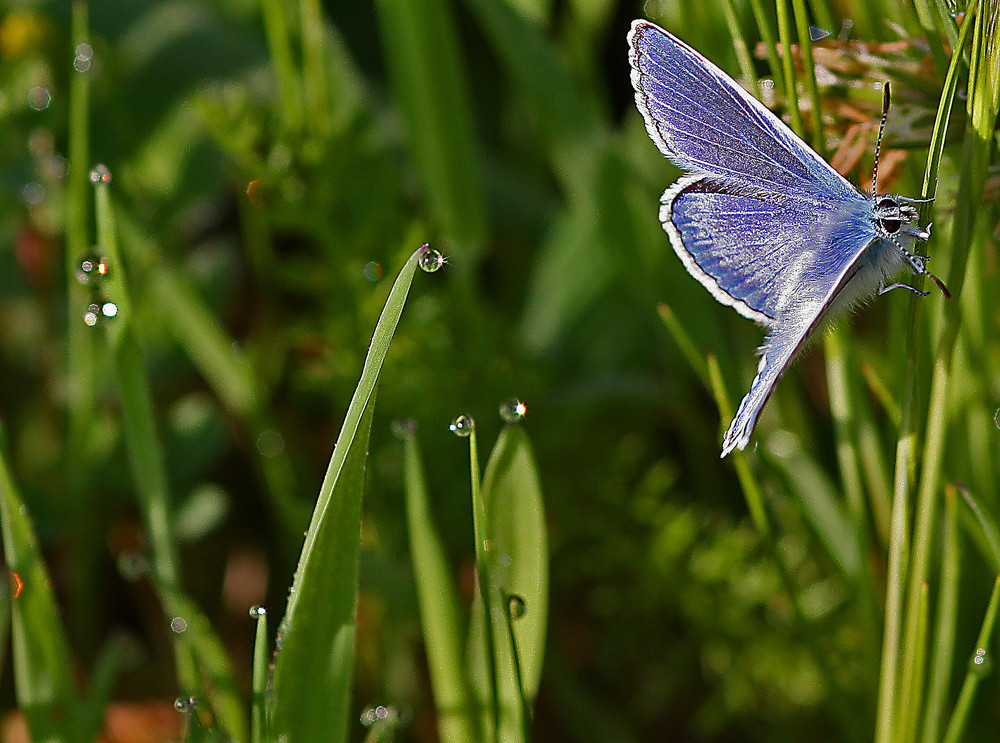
{"points": [[762, 253]]}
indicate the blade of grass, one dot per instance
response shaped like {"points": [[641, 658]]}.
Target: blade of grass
{"points": [[945, 623], [259, 728], [439, 609], [520, 567], [197, 646], [422, 50], [276, 30], [482, 633], [788, 66], [899, 542], [984, 91], [978, 668], [43, 677], [740, 45], [313, 667]]}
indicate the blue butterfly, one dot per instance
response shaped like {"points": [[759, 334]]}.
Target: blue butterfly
{"points": [[761, 220]]}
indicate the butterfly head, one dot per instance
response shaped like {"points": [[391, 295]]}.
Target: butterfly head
{"points": [[896, 216]]}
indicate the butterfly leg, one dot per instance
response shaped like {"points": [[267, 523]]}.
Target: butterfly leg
{"points": [[897, 285]]}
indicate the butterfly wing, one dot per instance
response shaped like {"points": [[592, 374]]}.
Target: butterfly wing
{"points": [[763, 222], [779, 262], [704, 122]]}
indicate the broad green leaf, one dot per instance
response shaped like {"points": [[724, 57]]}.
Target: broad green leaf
{"points": [[518, 562]]}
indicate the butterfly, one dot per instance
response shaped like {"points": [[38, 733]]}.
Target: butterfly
{"points": [[760, 219]]}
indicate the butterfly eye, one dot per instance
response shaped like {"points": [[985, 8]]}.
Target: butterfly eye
{"points": [[890, 225]]}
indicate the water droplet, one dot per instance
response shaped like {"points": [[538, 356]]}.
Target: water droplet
{"points": [[56, 166], [372, 271], [516, 606], [33, 193], [257, 611], [767, 83], [429, 259], [100, 174], [91, 269], [403, 428], [463, 426], [818, 34], [185, 704], [513, 411], [981, 664], [270, 443], [109, 309], [39, 98], [373, 714], [93, 314], [178, 624], [83, 57], [132, 565], [16, 585], [996, 418]]}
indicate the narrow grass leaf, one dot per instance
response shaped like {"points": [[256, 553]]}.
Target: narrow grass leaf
{"points": [[421, 45], [979, 665], [440, 616], [43, 677], [200, 653], [945, 623], [820, 504], [316, 637], [259, 728]]}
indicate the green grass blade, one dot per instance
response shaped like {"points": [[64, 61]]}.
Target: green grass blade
{"points": [[945, 623], [199, 652], [259, 728], [978, 668], [43, 677], [516, 565], [423, 55], [275, 17], [316, 636], [440, 616]]}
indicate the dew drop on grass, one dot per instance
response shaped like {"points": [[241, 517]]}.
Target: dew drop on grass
{"points": [[178, 625], [39, 98], [996, 418], [100, 174], [429, 259], [513, 411], [516, 606], [91, 269], [257, 611], [373, 714], [462, 426], [185, 704], [981, 665], [93, 314], [83, 56]]}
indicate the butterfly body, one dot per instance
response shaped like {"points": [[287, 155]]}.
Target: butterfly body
{"points": [[761, 220]]}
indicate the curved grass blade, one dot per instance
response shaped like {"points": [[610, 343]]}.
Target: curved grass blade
{"points": [[316, 637], [43, 680]]}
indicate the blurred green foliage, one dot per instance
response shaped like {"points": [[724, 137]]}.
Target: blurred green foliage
{"points": [[274, 163]]}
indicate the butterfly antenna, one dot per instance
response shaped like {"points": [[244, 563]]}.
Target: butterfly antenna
{"points": [[881, 131]]}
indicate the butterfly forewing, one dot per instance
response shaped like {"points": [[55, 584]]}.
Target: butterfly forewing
{"points": [[703, 121]]}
